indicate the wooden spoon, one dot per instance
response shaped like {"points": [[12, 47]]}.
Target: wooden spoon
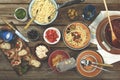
{"points": [[32, 19], [114, 38]]}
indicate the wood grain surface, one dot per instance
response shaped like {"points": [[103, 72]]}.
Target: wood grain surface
{"points": [[58, 1], [7, 8]]}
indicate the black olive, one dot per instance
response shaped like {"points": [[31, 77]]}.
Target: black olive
{"points": [[33, 34]]}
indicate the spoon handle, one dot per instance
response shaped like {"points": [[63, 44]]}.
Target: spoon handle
{"points": [[107, 65], [8, 23], [30, 21], [101, 64], [28, 24], [109, 20], [101, 68]]}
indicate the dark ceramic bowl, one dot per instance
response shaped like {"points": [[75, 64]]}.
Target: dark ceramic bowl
{"points": [[89, 71], [33, 35], [103, 34], [57, 56], [107, 33], [47, 53], [70, 29]]}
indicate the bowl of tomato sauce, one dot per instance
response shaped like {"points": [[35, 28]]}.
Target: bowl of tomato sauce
{"points": [[52, 35]]}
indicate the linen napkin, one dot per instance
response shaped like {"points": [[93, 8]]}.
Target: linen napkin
{"points": [[108, 57]]}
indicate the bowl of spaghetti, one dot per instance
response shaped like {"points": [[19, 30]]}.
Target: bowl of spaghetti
{"points": [[44, 11], [76, 36]]}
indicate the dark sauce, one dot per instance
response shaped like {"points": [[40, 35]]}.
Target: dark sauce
{"points": [[116, 29]]}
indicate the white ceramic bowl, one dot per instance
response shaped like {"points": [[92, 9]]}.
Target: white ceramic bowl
{"points": [[58, 33], [30, 14], [26, 17]]}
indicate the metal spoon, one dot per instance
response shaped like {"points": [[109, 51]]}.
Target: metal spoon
{"points": [[95, 63], [101, 68], [87, 63]]}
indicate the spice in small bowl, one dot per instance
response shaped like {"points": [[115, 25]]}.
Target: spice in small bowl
{"points": [[72, 14], [33, 35], [21, 14]]}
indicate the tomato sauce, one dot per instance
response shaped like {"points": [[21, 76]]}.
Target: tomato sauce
{"points": [[116, 29]]}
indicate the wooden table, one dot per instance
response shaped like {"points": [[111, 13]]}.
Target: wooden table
{"points": [[7, 8]]}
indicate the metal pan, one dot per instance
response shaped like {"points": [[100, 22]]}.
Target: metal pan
{"points": [[57, 6]]}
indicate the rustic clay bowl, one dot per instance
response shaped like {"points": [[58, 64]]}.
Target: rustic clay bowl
{"points": [[103, 35], [53, 55], [88, 71]]}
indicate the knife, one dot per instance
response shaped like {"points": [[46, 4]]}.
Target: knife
{"points": [[16, 31]]}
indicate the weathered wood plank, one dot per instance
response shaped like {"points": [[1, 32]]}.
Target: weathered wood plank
{"points": [[41, 75], [58, 1], [93, 1], [37, 75], [15, 1], [7, 10], [4, 64]]}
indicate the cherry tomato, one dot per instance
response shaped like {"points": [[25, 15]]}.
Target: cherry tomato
{"points": [[51, 35]]}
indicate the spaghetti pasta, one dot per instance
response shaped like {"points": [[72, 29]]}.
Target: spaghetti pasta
{"points": [[45, 11], [77, 35]]}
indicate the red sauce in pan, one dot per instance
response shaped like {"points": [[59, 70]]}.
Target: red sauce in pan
{"points": [[116, 29]]}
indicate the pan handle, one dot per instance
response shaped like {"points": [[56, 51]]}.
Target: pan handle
{"points": [[70, 2]]}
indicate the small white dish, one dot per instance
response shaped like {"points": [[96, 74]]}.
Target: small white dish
{"points": [[23, 19], [57, 32]]}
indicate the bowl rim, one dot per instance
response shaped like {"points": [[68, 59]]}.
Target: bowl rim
{"points": [[25, 18], [50, 57], [88, 55], [9, 30], [95, 53], [100, 40], [58, 33], [30, 14], [44, 44], [104, 37], [64, 37], [38, 35]]}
